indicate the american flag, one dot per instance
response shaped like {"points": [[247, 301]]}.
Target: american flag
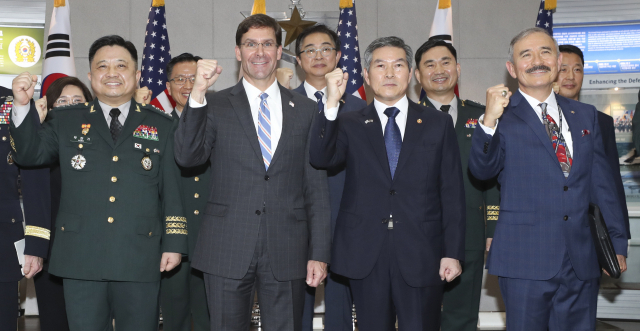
{"points": [[545, 18], [350, 60], [155, 56]]}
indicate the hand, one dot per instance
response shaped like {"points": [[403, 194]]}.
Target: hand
{"points": [[489, 240], [316, 272], [336, 85], [284, 76], [32, 265], [23, 87], [495, 104], [556, 87], [41, 107], [449, 269], [169, 261], [143, 95], [207, 72], [622, 261]]}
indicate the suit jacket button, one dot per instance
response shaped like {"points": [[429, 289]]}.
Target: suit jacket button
{"points": [[115, 158], [266, 177], [566, 188], [196, 212], [197, 179], [392, 192], [150, 233], [196, 195], [110, 219], [258, 212], [4, 138], [112, 199], [62, 228], [566, 217], [13, 220], [114, 179]]}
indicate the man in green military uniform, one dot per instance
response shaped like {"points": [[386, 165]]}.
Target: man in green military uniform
{"points": [[182, 295], [437, 70], [121, 221]]}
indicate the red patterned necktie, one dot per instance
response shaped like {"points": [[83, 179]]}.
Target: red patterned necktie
{"points": [[557, 140]]}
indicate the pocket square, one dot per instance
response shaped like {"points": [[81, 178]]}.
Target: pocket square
{"points": [[585, 132]]}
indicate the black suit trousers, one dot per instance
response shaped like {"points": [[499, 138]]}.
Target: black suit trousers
{"points": [[8, 306], [384, 294], [51, 305]]}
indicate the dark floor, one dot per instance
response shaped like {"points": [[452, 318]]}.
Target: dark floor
{"points": [[33, 324]]}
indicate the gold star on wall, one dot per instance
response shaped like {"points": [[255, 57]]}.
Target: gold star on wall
{"points": [[294, 26]]}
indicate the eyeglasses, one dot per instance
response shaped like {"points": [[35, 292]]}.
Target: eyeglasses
{"points": [[325, 51], [66, 100], [254, 45], [181, 80]]}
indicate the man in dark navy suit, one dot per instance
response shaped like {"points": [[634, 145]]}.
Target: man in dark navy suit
{"points": [[318, 52], [550, 161], [570, 83], [33, 185], [400, 231]]}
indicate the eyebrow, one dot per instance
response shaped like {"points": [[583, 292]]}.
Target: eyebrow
{"points": [[381, 60], [255, 41], [443, 58], [117, 60], [324, 43]]}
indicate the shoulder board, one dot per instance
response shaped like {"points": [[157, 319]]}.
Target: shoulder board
{"points": [[153, 109], [77, 106], [472, 103]]}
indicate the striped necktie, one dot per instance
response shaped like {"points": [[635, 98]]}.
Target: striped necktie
{"points": [[319, 96], [264, 130]]}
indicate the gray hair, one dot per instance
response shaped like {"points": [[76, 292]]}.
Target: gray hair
{"points": [[384, 42], [526, 32]]}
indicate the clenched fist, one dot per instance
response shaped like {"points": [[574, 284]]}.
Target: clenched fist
{"points": [[143, 95], [497, 99], [284, 76], [23, 87], [41, 107], [207, 72], [336, 85]]}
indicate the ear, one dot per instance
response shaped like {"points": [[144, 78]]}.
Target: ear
{"points": [[168, 87], [238, 54], [512, 70], [138, 75], [366, 76], [279, 53], [559, 61], [89, 76], [458, 69], [417, 74], [410, 75], [298, 60], [338, 56]]}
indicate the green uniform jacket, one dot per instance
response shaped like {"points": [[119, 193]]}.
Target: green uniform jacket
{"points": [[116, 218], [194, 185], [482, 197]]}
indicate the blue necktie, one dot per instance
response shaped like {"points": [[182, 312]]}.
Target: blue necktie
{"points": [[264, 130], [319, 96], [392, 138]]}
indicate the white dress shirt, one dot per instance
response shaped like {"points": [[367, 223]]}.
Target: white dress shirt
{"points": [[453, 111], [274, 101], [401, 119], [311, 93], [552, 109], [19, 113]]}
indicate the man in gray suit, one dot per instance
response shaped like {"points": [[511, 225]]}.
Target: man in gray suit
{"points": [[267, 222]]}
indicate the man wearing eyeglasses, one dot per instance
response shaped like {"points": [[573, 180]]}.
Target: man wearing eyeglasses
{"points": [[318, 52], [267, 221], [182, 292]]}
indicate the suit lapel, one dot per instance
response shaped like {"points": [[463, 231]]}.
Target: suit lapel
{"points": [[373, 129], [412, 134], [523, 110], [288, 118], [134, 118], [240, 103], [95, 116]]}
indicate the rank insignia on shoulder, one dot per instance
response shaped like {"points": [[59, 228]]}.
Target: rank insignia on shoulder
{"points": [[146, 132], [9, 98], [85, 128], [471, 123], [136, 145]]}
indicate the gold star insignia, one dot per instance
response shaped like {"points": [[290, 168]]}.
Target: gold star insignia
{"points": [[294, 26]]}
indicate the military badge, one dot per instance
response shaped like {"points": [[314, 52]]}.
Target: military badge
{"points": [[146, 132], [471, 123], [78, 162], [9, 159], [5, 111], [85, 128], [136, 145], [147, 164], [157, 151]]}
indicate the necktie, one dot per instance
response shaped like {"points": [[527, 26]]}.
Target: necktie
{"points": [[557, 139], [264, 130], [115, 127], [392, 138], [319, 96], [445, 108]]}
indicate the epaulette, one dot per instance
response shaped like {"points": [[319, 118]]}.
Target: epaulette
{"points": [[473, 103], [69, 107], [153, 109]]}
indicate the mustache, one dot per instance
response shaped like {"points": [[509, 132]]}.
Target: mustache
{"points": [[538, 67]]}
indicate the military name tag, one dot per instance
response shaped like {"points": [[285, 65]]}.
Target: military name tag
{"points": [[78, 162], [147, 164]]}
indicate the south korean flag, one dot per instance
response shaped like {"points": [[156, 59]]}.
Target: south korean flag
{"points": [[58, 58]]}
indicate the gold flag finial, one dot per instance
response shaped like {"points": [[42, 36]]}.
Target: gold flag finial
{"points": [[550, 4], [58, 3], [259, 7], [157, 3], [346, 3], [444, 4]]}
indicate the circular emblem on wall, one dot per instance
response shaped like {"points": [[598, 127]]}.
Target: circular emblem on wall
{"points": [[24, 51]]}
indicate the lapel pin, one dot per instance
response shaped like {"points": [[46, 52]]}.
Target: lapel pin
{"points": [[419, 120], [138, 146], [573, 112], [86, 103], [137, 108], [469, 135], [368, 121], [291, 103], [92, 110]]}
